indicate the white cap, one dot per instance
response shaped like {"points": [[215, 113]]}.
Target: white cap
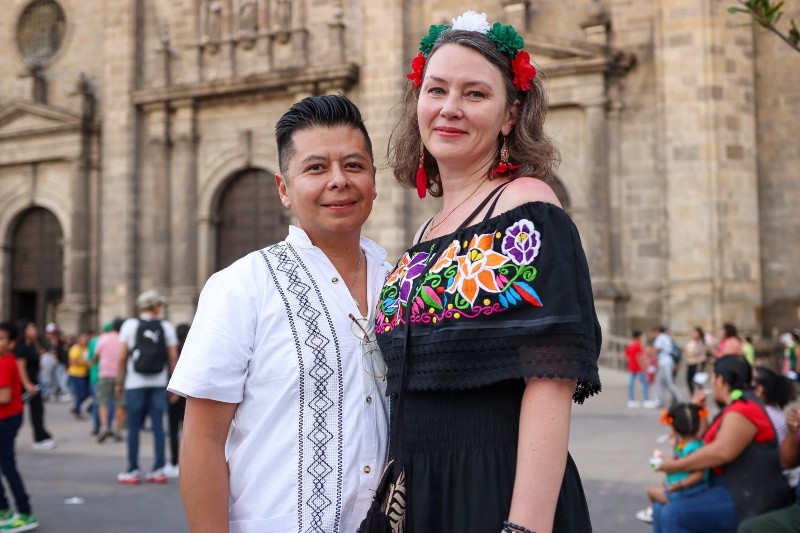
{"points": [[149, 299]]}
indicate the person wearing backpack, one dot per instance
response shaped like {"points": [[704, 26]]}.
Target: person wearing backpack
{"points": [[148, 355], [665, 347]]}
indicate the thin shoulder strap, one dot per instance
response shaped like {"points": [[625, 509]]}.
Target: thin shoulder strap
{"points": [[482, 205], [490, 211], [424, 229]]}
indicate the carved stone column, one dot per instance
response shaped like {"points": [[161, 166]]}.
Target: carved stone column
{"points": [[154, 202], [183, 202], [598, 238]]}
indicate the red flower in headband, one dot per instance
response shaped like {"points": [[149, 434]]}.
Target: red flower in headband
{"points": [[417, 66], [524, 72]]}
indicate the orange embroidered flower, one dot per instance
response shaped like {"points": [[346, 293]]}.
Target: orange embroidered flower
{"points": [[476, 269], [665, 418], [399, 271], [447, 258]]}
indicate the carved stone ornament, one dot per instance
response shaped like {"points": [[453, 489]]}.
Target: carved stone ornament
{"points": [[40, 31]]}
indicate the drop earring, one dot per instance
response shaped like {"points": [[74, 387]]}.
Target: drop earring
{"points": [[422, 176], [504, 167]]}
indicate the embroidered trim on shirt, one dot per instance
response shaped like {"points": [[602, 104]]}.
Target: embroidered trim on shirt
{"points": [[323, 403]]}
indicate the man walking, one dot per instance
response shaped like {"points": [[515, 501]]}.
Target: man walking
{"points": [[147, 354], [663, 344], [281, 347]]}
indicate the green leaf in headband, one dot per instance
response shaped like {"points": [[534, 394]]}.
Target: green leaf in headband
{"points": [[506, 38], [427, 42]]}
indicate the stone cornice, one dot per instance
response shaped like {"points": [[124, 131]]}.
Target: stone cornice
{"points": [[343, 76]]}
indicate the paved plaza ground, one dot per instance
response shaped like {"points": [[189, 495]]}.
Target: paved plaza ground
{"points": [[610, 443]]}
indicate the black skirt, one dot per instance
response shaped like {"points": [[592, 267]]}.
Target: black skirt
{"points": [[460, 462]]}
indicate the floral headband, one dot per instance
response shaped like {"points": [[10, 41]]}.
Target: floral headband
{"points": [[505, 37]]}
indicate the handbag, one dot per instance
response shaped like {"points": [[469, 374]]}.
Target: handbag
{"points": [[387, 513]]}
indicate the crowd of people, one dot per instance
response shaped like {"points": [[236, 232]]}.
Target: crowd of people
{"points": [[735, 471], [116, 379]]}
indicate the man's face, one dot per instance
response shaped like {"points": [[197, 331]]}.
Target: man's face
{"points": [[6, 345], [330, 181]]}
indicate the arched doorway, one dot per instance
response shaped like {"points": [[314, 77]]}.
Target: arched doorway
{"points": [[250, 216], [37, 266]]}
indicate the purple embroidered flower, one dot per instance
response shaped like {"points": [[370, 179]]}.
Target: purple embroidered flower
{"points": [[415, 267], [521, 242]]}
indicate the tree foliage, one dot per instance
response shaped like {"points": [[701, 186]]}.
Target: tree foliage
{"points": [[767, 13]]}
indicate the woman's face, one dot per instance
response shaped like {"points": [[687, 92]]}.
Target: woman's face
{"points": [[31, 331], [462, 108], [719, 389]]}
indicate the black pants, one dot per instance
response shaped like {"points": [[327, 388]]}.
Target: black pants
{"points": [[8, 465], [691, 370], [36, 409], [175, 416]]}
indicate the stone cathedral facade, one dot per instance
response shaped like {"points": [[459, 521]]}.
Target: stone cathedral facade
{"points": [[137, 146]]}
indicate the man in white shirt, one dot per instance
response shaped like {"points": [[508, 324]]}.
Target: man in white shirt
{"points": [[666, 365], [148, 350], [286, 418]]}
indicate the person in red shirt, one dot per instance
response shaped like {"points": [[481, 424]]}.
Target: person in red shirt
{"points": [[11, 407], [741, 449], [636, 368]]}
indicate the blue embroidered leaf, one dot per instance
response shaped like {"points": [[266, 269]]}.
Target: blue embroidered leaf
{"points": [[528, 294]]}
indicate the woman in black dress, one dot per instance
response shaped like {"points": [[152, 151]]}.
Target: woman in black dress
{"points": [[488, 319], [28, 351]]}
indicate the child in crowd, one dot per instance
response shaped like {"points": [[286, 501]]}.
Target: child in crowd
{"points": [[685, 421], [637, 363], [11, 408]]}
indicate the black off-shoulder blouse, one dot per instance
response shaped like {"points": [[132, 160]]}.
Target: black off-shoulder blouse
{"points": [[508, 297]]}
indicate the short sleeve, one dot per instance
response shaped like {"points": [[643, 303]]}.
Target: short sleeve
{"points": [[506, 299], [7, 367], [214, 360]]}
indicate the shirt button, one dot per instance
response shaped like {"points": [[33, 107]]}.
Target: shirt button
{"points": [[369, 399], [334, 280], [367, 469]]}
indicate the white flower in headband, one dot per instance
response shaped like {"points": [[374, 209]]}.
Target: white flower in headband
{"points": [[472, 21]]}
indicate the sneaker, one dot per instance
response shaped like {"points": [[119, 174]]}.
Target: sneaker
{"points": [[117, 437], [156, 476], [633, 404], [171, 470], [645, 515], [7, 516], [129, 478], [20, 522], [104, 435], [649, 404], [46, 444]]}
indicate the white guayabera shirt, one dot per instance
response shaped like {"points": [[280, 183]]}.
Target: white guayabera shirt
{"points": [[309, 438]]}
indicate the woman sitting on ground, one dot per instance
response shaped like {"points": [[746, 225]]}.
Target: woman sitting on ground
{"points": [[741, 449]]}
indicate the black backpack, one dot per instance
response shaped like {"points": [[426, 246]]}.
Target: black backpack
{"points": [[675, 351], [150, 351]]}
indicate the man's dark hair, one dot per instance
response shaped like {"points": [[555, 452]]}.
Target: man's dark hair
{"points": [[116, 324], [328, 111], [11, 329]]}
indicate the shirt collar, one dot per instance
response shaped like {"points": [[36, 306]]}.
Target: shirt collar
{"points": [[299, 239]]}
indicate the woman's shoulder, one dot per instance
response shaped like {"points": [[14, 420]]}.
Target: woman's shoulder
{"points": [[524, 190]]}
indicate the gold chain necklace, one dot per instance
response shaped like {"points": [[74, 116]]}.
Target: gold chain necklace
{"points": [[433, 227]]}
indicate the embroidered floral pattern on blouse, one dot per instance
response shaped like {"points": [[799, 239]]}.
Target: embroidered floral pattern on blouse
{"points": [[467, 280]]}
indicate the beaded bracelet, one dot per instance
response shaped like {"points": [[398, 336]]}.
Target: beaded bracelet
{"points": [[508, 527]]}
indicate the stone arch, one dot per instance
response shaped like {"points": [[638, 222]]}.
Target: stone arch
{"points": [[35, 265], [248, 215]]}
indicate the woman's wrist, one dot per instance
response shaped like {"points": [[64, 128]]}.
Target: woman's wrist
{"points": [[509, 527]]}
